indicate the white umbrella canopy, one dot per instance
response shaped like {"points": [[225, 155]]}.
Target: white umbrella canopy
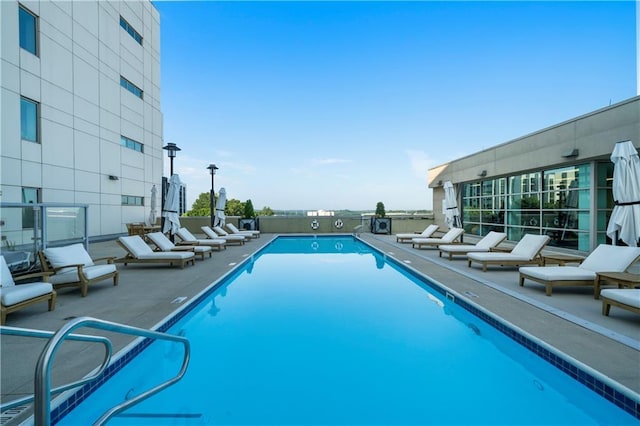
{"points": [[172, 206], [624, 223], [220, 205], [153, 213], [450, 204]]}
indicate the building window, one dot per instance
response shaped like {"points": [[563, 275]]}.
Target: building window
{"points": [[29, 120], [129, 29], [131, 144], [553, 202], [131, 87], [28, 24], [132, 200], [30, 196]]}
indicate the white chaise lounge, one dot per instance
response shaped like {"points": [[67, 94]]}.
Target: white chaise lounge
{"points": [[626, 298], [139, 252], [427, 233], [186, 237], [229, 239], [450, 237], [604, 258], [527, 251], [235, 231], [488, 242], [165, 244]]}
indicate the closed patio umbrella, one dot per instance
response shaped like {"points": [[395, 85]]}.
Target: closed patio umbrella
{"points": [[153, 213], [220, 205], [172, 206], [624, 223], [452, 214]]}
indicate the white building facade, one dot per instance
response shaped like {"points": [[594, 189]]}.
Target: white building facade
{"points": [[80, 107]]}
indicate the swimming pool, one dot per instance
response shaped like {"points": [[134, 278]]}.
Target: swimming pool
{"points": [[326, 330]]}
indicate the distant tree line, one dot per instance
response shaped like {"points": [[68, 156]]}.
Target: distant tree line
{"points": [[202, 207]]}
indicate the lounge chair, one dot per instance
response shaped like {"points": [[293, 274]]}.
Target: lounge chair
{"points": [[165, 244], [626, 298], [71, 266], [427, 233], [448, 238], [488, 242], [188, 238], [604, 258], [526, 252], [229, 239], [139, 252], [15, 297], [233, 230]]}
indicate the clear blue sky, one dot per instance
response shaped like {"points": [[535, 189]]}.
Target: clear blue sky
{"points": [[339, 105]]}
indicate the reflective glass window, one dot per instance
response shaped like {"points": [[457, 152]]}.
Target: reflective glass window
{"points": [[28, 28], [28, 120]]}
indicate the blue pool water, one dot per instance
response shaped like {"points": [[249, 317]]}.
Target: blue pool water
{"points": [[326, 331]]}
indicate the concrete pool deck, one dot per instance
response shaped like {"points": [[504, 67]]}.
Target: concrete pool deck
{"points": [[570, 320]]}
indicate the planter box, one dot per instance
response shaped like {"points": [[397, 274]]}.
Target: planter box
{"points": [[381, 225], [252, 224]]}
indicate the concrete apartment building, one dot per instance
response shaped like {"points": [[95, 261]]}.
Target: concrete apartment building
{"points": [[81, 116], [556, 181]]}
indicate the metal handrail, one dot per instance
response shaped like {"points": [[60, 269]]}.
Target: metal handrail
{"points": [[45, 334], [42, 407]]}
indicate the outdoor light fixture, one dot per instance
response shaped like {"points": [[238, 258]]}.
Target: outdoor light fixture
{"points": [[483, 173], [212, 169], [440, 183], [571, 153], [172, 149], [113, 177]]}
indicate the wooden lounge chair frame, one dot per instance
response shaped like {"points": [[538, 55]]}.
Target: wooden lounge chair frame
{"points": [[129, 258], [84, 281]]}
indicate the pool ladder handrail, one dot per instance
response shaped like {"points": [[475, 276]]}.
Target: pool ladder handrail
{"points": [[46, 334], [42, 404]]}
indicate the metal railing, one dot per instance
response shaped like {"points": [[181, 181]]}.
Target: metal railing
{"points": [[44, 334], [43, 391]]}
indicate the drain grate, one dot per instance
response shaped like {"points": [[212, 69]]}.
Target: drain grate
{"points": [[12, 413]]}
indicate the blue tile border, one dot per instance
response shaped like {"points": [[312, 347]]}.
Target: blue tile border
{"points": [[601, 388]]}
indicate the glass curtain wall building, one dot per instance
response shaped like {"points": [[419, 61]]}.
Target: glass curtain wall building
{"points": [[556, 181], [554, 202]]}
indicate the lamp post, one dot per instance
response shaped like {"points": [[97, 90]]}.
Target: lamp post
{"points": [[212, 169], [171, 148]]}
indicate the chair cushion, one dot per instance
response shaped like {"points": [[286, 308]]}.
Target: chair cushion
{"points": [[530, 245], [74, 254], [496, 257], [218, 230], [186, 235], [558, 273], [136, 245], [606, 258], [6, 279], [19, 293], [630, 297], [177, 255], [90, 272], [201, 249], [209, 232], [492, 239], [161, 241], [461, 248]]}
